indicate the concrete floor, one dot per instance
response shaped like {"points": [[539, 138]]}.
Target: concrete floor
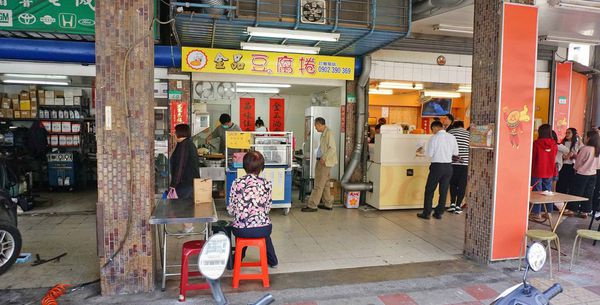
{"points": [[342, 256]]}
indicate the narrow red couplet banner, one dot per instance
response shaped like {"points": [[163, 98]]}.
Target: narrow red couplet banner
{"points": [[276, 114], [179, 114], [515, 128], [247, 111], [562, 98], [343, 119]]}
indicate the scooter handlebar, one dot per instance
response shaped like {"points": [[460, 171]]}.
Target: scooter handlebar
{"points": [[553, 291]]}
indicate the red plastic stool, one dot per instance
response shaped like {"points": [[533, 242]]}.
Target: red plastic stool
{"points": [[190, 248], [240, 243]]}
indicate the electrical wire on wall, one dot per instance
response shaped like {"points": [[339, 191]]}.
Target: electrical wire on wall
{"points": [[129, 146]]}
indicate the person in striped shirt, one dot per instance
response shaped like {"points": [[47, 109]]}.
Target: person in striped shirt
{"points": [[460, 167]]}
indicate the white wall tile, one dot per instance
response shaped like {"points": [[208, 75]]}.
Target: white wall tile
{"points": [[389, 71]]}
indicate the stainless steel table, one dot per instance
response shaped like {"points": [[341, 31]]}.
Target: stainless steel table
{"points": [[179, 211]]}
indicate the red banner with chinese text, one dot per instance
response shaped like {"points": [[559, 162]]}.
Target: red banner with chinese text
{"points": [[247, 110], [277, 114], [179, 114], [562, 98]]}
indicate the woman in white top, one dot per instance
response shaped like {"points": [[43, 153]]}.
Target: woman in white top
{"points": [[260, 125], [562, 151], [566, 175]]}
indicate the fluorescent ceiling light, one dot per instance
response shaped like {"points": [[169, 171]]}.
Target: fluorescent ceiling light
{"points": [[263, 85], [581, 40], [258, 90], [453, 28], [33, 82], [36, 76], [292, 34], [579, 5], [442, 94], [381, 91], [406, 86], [268, 47], [466, 90]]}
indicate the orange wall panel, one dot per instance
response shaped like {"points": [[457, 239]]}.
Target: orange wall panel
{"points": [[578, 102]]}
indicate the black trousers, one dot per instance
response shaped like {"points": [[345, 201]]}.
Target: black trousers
{"points": [[258, 233], [583, 186], [566, 176], [439, 174], [458, 184], [596, 199]]}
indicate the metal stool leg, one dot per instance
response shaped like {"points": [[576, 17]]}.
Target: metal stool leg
{"points": [[573, 252], [557, 241], [549, 250]]}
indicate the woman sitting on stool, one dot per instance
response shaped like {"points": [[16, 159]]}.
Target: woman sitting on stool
{"points": [[250, 202]]}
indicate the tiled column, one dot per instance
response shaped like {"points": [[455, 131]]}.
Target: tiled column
{"points": [[125, 136], [596, 89], [497, 215], [350, 127]]}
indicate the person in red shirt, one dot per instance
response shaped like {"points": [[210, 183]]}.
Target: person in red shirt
{"points": [[543, 167]]}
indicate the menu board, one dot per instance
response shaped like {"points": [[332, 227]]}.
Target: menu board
{"points": [[277, 178], [238, 140]]}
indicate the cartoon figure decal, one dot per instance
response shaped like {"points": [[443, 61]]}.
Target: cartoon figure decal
{"points": [[561, 127], [514, 120], [237, 64], [220, 61]]}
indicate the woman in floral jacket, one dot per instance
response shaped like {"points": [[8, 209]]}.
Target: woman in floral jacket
{"points": [[250, 202]]}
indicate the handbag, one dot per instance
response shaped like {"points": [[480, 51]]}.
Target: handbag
{"points": [[172, 193]]}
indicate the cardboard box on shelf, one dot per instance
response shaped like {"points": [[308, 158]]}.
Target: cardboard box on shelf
{"points": [[32, 94], [66, 127], [40, 93], [49, 101], [62, 140], [6, 113], [77, 92], [75, 127], [25, 114], [6, 103], [47, 125], [34, 108], [68, 93], [34, 114], [56, 127], [41, 101], [77, 100], [17, 114], [25, 105], [68, 101], [24, 95], [59, 101], [59, 94], [49, 94], [15, 104], [54, 140]]}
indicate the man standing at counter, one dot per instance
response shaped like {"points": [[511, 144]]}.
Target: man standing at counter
{"points": [[440, 148], [219, 132], [326, 159], [447, 121]]}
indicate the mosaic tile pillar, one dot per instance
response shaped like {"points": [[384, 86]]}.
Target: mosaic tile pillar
{"points": [[482, 198], [124, 82], [350, 136]]}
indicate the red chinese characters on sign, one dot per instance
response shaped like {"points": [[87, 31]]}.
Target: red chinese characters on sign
{"points": [[260, 63], [307, 65], [247, 110], [179, 114], [285, 65], [277, 114]]}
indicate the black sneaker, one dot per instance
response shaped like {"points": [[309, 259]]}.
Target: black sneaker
{"points": [[321, 206], [422, 215], [452, 208], [437, 216], [457, 210], [307, 209]]}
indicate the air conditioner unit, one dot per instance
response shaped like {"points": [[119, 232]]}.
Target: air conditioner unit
{"points": [[314, 11]]}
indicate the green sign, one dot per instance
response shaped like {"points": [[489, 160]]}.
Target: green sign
{"points": [[54, 16], [175, 95]]}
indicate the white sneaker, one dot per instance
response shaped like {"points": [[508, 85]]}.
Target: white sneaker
{"points": [[457, 210], [452, 208]]}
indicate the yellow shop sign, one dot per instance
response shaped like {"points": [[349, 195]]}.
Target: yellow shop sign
{"points": [[266, 63]]}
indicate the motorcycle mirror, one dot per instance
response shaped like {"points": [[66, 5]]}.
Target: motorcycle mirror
{"points": [[536, 256], [214, 256]]}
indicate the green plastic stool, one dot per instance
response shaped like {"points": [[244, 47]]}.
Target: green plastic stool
{"points": [[541, 235], [583, 234]]}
